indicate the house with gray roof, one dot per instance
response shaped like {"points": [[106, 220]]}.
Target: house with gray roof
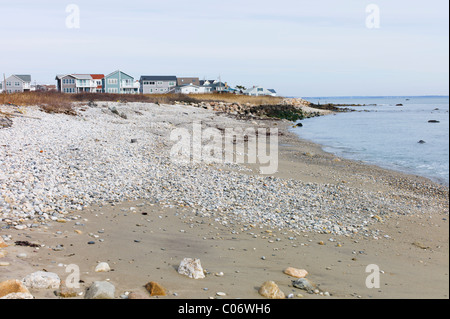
{"points": [[121, 83], [18, 83], [190, 89], [157, 84], [259, 90], [79, 83], [216, 87]]}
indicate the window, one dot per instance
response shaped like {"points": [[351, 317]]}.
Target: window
{"points": [[8, 83], [112, 81], [159, 83], [17, 83], [260, 89], [171, 83], [112, 90]]}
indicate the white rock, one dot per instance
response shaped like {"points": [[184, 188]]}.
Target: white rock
{"points": [[42, 280], [191, 268], [102, 267]]}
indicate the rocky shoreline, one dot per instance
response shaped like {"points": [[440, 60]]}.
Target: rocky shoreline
{"points": [[53, 167], [92, 160]]}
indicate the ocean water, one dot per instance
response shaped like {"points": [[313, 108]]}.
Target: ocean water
{"points": [[385, 134]]}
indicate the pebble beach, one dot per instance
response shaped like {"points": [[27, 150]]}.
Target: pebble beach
{"points": [[101, 187]]}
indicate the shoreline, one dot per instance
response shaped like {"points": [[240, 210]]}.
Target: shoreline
{"points": [[384, 166], [143, 247]]}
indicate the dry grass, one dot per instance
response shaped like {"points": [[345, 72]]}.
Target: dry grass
{"points": [[52, 102], [234, 98], [56, 102]]}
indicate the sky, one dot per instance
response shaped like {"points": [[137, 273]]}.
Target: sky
{"points": [[297, 47]]}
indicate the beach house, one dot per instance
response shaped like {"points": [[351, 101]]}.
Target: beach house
{"points": [[190, 89], [17, 83], [120, 83], [80, 83], [157, 84], [259, 90]]}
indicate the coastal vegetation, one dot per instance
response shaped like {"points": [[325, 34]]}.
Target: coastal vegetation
{"points": [[261, 106]]}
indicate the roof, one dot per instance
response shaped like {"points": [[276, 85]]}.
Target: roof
{"points": [[60, 76], [25, 78], [120, 72], [189, 85], [97, 76], [272, 90], [202, 82], [158, 78], [188, 78], [82, 76]]}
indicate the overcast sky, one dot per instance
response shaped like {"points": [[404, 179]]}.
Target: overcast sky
{"points": [[299, 48]]}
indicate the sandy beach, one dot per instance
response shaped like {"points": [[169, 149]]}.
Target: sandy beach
{"points": [[98, 187]]}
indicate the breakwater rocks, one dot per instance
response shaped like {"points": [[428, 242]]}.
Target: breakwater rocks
{"points": [[291, 109]]}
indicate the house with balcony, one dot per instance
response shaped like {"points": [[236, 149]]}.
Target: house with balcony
{"points": [[157, 84], [17, 83], [120, 83], [80, 83]]}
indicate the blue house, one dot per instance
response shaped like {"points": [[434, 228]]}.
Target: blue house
{"points": [[120, 83]]}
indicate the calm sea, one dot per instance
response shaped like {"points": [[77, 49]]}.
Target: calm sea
{"points": [[385, 134]]}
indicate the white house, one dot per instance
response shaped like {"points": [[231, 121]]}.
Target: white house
{"points": [[191, 89], [259, 90]]}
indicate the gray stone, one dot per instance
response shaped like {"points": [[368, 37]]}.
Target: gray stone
{"points": [[304, 284], [100, 290]]}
